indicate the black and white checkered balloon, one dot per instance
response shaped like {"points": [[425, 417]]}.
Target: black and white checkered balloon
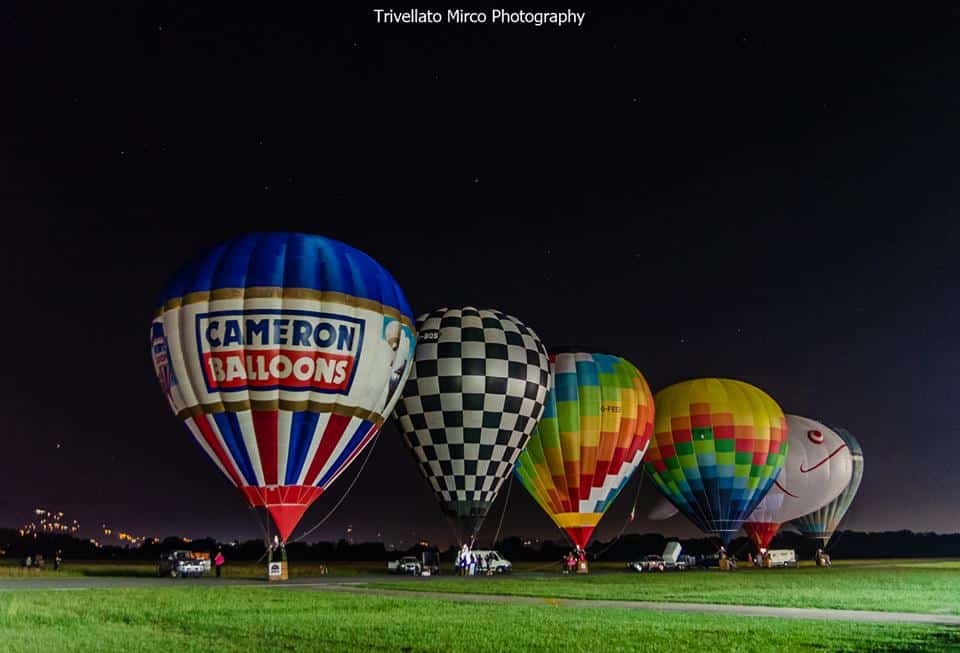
{"points": [[473, 398]]}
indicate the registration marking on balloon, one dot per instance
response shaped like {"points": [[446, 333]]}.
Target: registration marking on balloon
{"points": [[279, 349]]}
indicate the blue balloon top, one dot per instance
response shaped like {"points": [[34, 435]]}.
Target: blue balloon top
{"points": [[288, 260]]}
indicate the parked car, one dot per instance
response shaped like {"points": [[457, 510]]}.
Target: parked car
{"points": [[405, 565], [651, 562], [708, 560], [181, 564]]}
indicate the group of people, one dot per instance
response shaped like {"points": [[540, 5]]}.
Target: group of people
{"points": [[37, 561], [726, 562], [572, 560], [471, 563]]}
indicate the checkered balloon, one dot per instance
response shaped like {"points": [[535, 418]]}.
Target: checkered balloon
{"points": [[476, 391]]}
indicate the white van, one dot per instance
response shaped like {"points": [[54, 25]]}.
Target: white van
{"points": [[493, 561], [780, 558]]}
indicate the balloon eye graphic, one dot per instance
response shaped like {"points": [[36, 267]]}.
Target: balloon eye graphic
{"points": [[816, 437]]}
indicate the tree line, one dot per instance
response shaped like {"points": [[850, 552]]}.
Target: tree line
{"points": [[845, 544]]}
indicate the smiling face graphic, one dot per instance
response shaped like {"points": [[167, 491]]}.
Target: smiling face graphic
{"points": [[817, 468]]}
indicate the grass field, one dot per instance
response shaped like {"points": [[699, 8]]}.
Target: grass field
{"points": [[195, 618], [929, 586]]}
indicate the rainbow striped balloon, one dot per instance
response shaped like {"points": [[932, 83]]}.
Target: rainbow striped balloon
{"points": [[718, 446], [595, 428]]}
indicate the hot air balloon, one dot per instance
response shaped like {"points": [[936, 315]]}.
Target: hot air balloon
{"points": [[595, 428], [817, 468], [282, 353], [820, 524], [474, 396], [662, 510], [717, 447]]}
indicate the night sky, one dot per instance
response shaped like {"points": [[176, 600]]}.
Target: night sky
{"points": [[763, 192]]}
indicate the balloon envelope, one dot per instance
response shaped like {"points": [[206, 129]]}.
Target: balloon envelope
{"points": [[282, 352], [717, 446], [817, 468], [822, 523], [662, 510], [595, 428], [472, 400]]}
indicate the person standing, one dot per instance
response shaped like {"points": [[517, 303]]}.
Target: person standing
{"points": [[218, 561]]}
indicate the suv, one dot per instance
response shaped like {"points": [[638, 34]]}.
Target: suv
{"points": [[405, 565], [180, 564]]}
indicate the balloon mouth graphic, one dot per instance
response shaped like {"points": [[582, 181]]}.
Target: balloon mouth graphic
{"points": [[785, 490], [832, 454]]}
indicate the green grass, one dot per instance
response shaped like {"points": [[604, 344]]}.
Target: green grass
{"points": [[929, 586], [251, 619]]}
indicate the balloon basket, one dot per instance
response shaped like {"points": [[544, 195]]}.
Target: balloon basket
{"points": [[277, 571], [583, 567]]}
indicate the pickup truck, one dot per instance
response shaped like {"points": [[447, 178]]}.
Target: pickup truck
{"points": [[180, 564], [671, 560]]}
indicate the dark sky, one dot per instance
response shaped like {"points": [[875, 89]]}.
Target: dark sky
{"points": [[762, 192]]}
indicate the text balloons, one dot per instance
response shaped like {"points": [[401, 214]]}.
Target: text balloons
{"points": [[282, 353]]}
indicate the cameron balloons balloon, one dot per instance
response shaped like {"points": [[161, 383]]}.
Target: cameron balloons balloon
{"points": [[817, 468], [820, 524], [474, 396], [595, 428], [717, 447], [282, 353]]}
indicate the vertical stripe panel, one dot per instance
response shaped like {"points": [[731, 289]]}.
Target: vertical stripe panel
{"points": [[328, 442], [248, 431], [303, 426], [232, 435], [364, 433], [284, 425]]}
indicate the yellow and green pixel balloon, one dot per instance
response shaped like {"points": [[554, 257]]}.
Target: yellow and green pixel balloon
{"points": [[595, 428], [717, 447]]}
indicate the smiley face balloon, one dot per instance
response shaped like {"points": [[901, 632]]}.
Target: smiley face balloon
{"points": [[817, 469]]}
